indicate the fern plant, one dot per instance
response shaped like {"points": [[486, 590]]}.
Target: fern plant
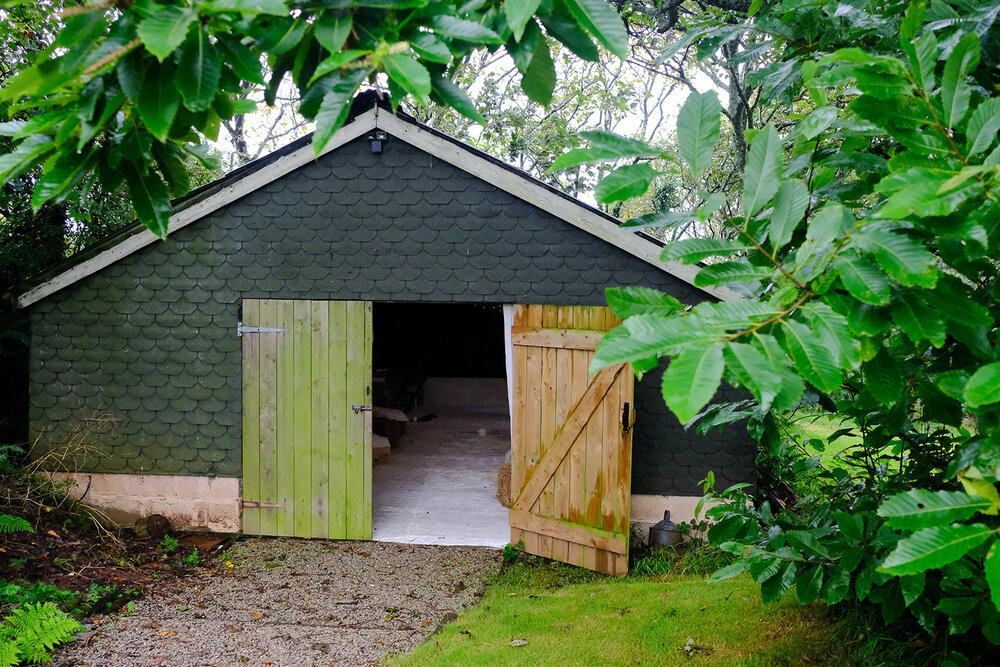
{"points": [[31, 632], [14, 524]]}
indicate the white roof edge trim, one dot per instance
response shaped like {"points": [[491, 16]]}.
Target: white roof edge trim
{"points": [[244, 186], [530, 190], [522, 186]]}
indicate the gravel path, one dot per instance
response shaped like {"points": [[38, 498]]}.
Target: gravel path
{"points": [[295, 602]]}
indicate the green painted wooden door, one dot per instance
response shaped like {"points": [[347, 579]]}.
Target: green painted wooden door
{"points": [[306, 451]]}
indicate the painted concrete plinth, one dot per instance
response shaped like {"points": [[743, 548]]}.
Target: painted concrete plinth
{"points": [[189, 503]]}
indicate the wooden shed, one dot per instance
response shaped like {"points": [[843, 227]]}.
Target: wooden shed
{"points": [[239, 357]]}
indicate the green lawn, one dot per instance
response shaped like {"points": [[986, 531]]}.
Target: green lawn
{"points": [[597, 620]]}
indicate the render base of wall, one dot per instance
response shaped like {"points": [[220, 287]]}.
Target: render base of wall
{"points": [[209, 504], [648, 510]]}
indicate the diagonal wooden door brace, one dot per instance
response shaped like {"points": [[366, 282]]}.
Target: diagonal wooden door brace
{"points": [[563, 442]]}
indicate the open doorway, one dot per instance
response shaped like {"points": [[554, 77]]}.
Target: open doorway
{"points": [[442, 368]]}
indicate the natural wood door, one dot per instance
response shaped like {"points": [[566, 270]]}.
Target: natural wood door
{"points": [[571, 461], [306, 452]]}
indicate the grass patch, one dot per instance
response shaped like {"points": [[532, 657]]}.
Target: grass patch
{"points": [[571, 617]]}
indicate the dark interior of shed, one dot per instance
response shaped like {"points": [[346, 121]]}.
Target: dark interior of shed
{"points": [[443, 365]]}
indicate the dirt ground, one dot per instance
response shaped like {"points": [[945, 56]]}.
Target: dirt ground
{"points": [[292, 602]]}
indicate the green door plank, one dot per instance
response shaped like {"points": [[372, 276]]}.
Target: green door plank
{"points": [[319, 317], [285, 481], [356, 450], [268, 488], [251, 421], [340, 413], [366, 379], [302, 419]]}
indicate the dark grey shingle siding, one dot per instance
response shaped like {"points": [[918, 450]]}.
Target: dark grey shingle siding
{"points": [[151, 338]]}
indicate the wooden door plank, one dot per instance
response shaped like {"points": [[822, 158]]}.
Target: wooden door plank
{"points": [[268, 344], [593, 456], [339, 415], [285, 479], [251, 420], [355, 443], [564, 339], [367, 417], [583, 536], [624, 463], [302, 418], [519, 358], [533, 414], [319, 409], [609, 464], [564, 404], [547, 432]]}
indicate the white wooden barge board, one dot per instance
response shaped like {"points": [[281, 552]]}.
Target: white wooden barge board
{"points": [[521, 186], [525, 187], [239, 188]]}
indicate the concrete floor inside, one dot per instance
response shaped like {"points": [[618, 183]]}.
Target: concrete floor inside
{"points": [[438, 486]]}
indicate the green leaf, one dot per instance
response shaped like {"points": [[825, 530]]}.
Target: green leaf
{"points": [[851, 525], [335, 107], [790, 204], [332, 30], [992, 567], [431, 48], [564, 28], [809, 583], [455, 97], [164, 30], [698, 124], [919, 508], [603, 23], [934, 547], [754, 371], [625, 182], [449, 26], [273, 7], [883, 378], [409, 74], [607, 146], [760, 179], [837, 586], [628, 301], [984, 386], [912, 587], [917, 320], [811, 356], [158, 100], [149, 197], [539, 79], [815, 123], [983, 126], [833, 328], [59, 179], [691, 251], [198, 72], [904, 259], [338, 61], [519, 12], [775, 587], [579, 156], [863, 280], [692, 379], [730, 571], [955, 92], [923, 57], [731, 272], [244, 63], [28, 153]]}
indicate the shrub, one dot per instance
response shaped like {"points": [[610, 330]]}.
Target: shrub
{"points": [[31, 632]]}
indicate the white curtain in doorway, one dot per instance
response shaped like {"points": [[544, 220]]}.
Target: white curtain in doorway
{"points": [[508, 351]]}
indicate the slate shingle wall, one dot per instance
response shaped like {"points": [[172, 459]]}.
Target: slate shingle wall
{"points": [[152, 338]]}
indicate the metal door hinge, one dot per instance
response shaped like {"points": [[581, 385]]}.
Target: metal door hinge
{"points": [[256, 504], [240, 329], [358, 409]]}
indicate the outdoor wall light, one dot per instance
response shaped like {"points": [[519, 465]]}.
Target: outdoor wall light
{"points": [[377, 138]]}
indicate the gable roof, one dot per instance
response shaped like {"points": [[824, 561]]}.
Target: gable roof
{"points": [[368, 113]]}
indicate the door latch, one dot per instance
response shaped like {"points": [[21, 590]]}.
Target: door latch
{"points": [[358, 409], [626, 421]]}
